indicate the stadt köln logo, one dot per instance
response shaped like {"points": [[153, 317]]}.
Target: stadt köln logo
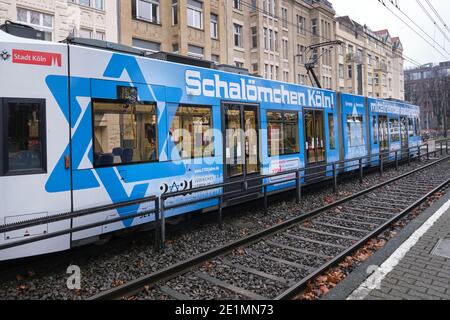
{"points": [[4, 55]]}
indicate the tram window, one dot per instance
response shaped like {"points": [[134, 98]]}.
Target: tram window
{"points": [[124, 134], [355, 131], [191, 131], [394, 129], [383, 132], [417, 127], [411, 127], [375, 129], [282, 133], [331, 131], [24, 146]]}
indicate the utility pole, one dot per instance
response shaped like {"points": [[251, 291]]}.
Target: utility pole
{"points": [[309, 66], [446, 97]]}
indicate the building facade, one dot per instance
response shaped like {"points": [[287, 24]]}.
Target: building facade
{"points": [[269, 38], [429, 87], [95, 19], [369, 63]]}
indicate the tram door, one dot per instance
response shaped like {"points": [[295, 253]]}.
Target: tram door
{"points": [[241, 154], [404, 136], [314, 138]]}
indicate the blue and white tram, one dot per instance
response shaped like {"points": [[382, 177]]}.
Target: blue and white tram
{"points": [[73, 140]]}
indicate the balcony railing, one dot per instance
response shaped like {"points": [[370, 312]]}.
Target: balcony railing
{"points": [[381, 66], [354, 57]]}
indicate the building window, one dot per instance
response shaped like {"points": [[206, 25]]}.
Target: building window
{"points": [[38, 20], [284, 17], [275, 41], [148, 10], [285, 49], [350, 71], [331, 135], [270, 40], [266, 40], [239, 64], [286, 76], [238, 36], [314, 27], [355, 131], [269, 7], [191, 132], [175, 48], [85, 33], [195, 52], [214, 26], [99, 4], [124, 134], [146, 45], [100, 35], [255, 67], [282, 133], [370, 78], [341, 71], [300, 53], [24, 145], [215, 58], [237, 4], [195, 14], [301, 23], [254, 37], [174, 12]]}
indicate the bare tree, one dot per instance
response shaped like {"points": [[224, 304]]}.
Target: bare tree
{"points": [[436, 91]]}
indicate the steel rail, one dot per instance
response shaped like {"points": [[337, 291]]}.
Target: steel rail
{"points": [[294, 290], [136, 285]]}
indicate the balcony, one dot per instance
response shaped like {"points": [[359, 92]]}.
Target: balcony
{"points": [[354, 57], [381, 67]]}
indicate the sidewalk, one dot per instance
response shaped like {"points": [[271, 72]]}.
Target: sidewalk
{"points": [[415, 265]]}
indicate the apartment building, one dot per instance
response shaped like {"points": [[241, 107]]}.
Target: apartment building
{"points": [[59, 18], [267, 37], [369, 62]]}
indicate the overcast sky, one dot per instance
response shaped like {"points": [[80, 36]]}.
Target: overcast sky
{"points": [[377, 17]]}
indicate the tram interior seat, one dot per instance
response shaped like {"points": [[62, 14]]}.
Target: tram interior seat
{"points": [[106, 159]]}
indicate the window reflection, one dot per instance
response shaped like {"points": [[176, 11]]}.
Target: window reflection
{"points": [[394, 129], [24, 136], [191, 132], [355, 131], [282, 133], [124, 134]]}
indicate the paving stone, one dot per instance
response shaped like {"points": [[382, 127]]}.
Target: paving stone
{"points": [[420, 275]]}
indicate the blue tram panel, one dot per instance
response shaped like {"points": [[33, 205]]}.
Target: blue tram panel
{"points": [[354, 129], [394, 128]]}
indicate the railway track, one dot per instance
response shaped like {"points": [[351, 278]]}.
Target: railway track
{"points": [[278, 262]]}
